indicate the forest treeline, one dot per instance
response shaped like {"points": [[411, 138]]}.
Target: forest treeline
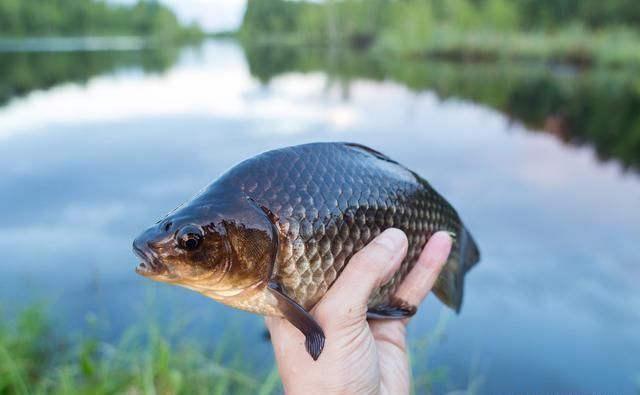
{"points": [[295, 16], [584, 32], [20, 18]]}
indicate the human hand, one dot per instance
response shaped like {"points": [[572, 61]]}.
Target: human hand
{"points": [[359, 356]]}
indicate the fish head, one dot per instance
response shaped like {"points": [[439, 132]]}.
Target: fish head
{"points": [[219, 247]]}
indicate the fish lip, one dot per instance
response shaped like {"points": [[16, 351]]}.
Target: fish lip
{"points": [[145, 269], [150, 266]]}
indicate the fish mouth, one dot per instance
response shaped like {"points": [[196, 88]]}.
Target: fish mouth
{"points": [[150, 266]]}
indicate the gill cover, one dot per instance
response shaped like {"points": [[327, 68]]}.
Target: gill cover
{"points": [[253, 243], [219, 243]]}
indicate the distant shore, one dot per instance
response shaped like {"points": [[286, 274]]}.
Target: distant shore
{"points": [[604, 49], [71, 44], [492, 30]]}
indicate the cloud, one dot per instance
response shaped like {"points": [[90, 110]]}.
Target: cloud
{"points": [[213, 15]]}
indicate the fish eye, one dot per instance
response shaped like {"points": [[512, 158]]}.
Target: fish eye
{"points": [[189, 237]]}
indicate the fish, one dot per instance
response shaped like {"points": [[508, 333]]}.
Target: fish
{"points": [[273, 233]]}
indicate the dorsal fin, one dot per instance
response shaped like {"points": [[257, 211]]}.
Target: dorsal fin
{"points": [[371, 151]]}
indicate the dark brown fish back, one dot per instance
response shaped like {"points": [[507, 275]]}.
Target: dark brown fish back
{"points": [[330, 199]]}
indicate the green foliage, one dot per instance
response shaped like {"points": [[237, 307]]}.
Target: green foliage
{"points": [[331, 22], [593, 13], [410, 26], [274, 16], [90, 17], [501, 15], [461, 13], [141, 361], [149, 360], [589, 32], [24, 349]]}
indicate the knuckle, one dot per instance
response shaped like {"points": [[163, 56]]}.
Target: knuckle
{"points": [[386, 245], [382, 250]]}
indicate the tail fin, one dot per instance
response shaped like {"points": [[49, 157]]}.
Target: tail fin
{"points": [[449, 285]]}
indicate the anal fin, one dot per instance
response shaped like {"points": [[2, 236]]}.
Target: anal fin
{"points": [[301, 319]]}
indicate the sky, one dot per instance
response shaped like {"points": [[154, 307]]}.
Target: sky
{"points": [[212, 15]]}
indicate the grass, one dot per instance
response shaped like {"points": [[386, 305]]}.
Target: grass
{"points": [[36, 359], [33, 360]]}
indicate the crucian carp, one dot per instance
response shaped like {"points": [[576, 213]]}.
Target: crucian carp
{"points": [[273, 233]]}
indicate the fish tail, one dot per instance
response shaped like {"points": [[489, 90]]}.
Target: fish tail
{"points": [[464, 254]]}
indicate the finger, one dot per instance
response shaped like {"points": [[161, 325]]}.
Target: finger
{"points": [[415, 287], [367, 270], [420, 280]]}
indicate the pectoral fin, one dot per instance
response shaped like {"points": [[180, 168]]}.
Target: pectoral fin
{"points": [[301, 319], [394, 310]]}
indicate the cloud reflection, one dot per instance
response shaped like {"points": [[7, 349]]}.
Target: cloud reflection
{"points": [[193, 88]]}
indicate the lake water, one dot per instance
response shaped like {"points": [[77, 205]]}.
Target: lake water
{"points": [[92, 155]]}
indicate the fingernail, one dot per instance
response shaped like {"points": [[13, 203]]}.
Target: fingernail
{"points": [[441, 237]]}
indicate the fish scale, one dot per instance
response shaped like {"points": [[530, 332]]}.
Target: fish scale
{"points": [[331, 199]]}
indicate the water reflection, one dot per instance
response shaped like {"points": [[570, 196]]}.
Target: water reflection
{"points": [[599, 108], [26, 71], [553, 306]]}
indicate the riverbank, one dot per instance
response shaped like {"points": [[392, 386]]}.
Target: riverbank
{"points": [[73, 44], [90, 43], [575, 47]]}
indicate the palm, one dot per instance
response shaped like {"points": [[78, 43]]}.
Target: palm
{"points": [[392, 355], [360, 356]]}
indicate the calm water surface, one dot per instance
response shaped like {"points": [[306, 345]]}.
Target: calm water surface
{"points": [[554, 305]]}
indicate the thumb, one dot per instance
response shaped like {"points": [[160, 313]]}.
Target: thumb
{"points": [[345, 302]]}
